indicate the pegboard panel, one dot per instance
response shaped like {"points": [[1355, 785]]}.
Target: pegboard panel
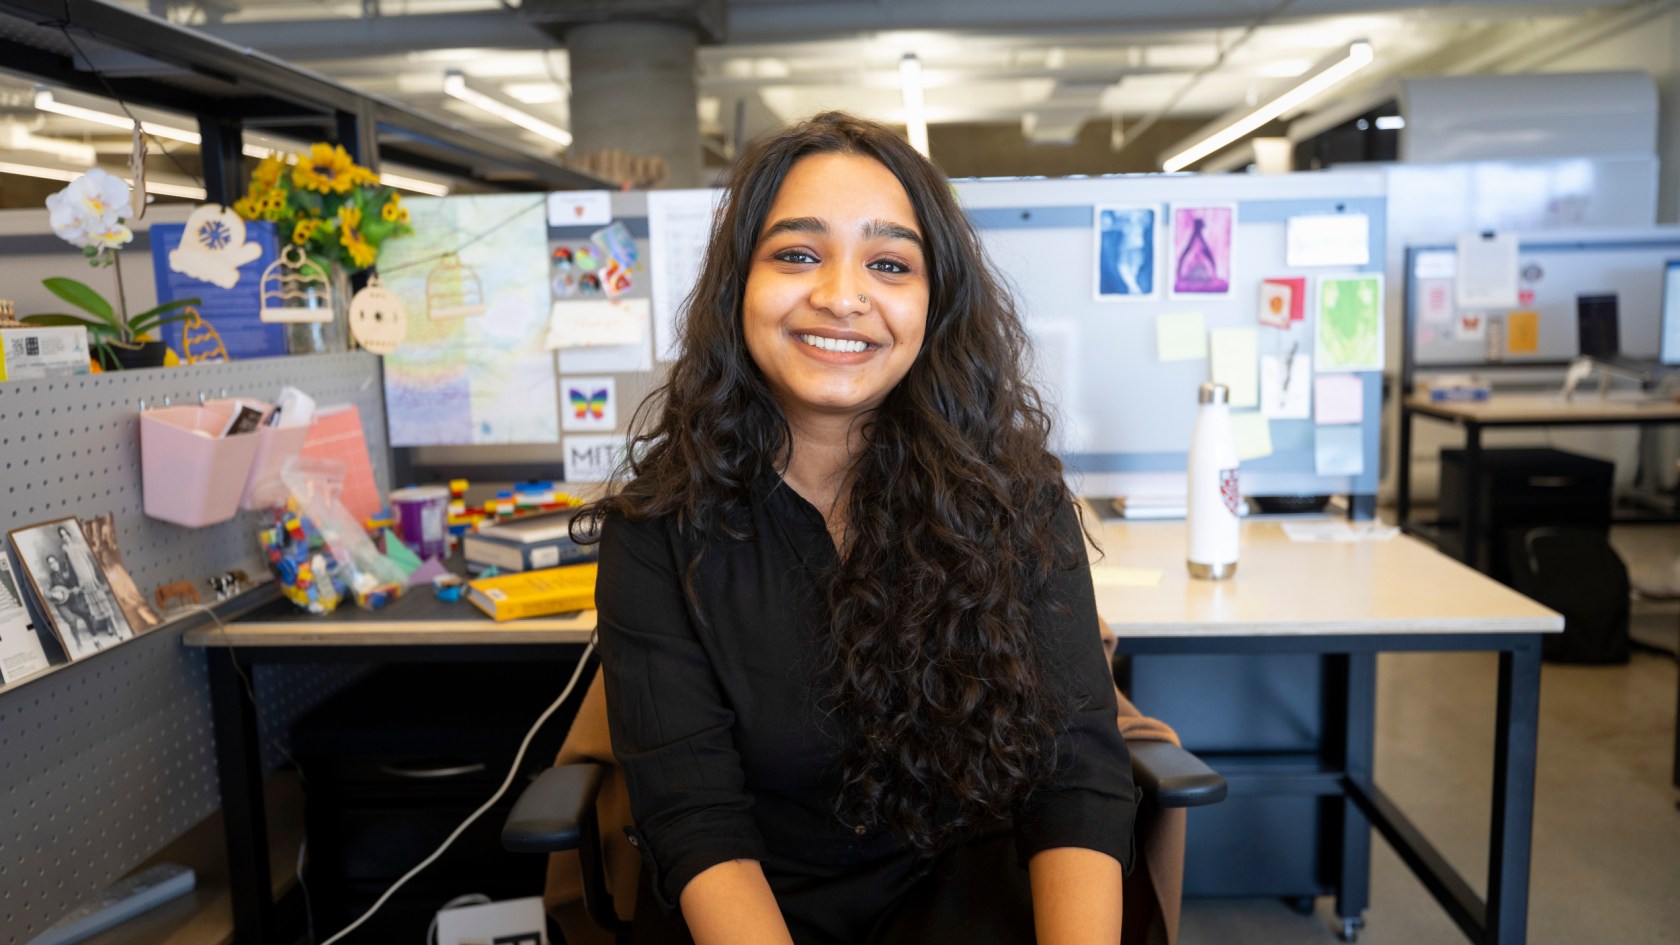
{"points": [[105, 760]]}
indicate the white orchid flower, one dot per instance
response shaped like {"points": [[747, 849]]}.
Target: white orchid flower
{"points": [[110, 236], [90, 211], [102, 195]]}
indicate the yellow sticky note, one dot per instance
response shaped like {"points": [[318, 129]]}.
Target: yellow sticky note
{"points": [[1522, 332], [1254, 435], [1180, 337], [1125, 577], [1233, 360]]}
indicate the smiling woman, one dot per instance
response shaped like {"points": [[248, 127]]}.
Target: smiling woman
{"points": [[847, 632]]}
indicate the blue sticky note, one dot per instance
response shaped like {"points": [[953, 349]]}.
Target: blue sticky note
{"points": [[1339, 451]]}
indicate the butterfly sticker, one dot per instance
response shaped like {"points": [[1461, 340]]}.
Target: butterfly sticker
{"points": [[592, 405]]}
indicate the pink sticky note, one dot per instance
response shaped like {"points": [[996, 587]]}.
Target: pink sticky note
{"points": [[1338, 398]]}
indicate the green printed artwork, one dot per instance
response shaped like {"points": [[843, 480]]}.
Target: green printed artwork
{"points": [[1349, 329]]}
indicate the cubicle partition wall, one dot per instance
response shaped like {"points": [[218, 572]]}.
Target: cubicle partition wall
{"points": [[106, 760], [1125, 412]]}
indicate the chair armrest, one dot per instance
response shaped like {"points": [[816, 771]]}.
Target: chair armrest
{"points": [[550, 814], [1173, 776]]}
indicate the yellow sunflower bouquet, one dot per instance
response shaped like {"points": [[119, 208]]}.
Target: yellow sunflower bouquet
{"points": [[326, 204]]}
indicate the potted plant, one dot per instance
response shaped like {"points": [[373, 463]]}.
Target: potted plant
{"points": [[92, 213], [337, 212]]}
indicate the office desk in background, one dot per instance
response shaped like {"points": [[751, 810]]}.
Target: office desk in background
{"points": [[1512, 410], [1347, 601]]}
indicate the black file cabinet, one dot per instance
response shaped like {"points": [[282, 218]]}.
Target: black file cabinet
{"points": [[395, 762], [1520, 489]]}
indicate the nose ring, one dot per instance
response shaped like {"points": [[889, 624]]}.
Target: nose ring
{"points": [[864, 299]]}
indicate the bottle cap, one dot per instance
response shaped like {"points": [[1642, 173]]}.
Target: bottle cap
{"points": [[1212, 393]]}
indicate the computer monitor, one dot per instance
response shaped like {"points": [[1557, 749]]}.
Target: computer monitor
{"points": [[1598, 331], [1671, 313]]}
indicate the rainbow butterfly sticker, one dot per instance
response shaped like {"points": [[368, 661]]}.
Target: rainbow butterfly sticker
{"points": [[589, 406]]}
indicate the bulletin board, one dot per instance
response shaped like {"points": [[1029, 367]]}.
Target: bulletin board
{"points": [[1553, 268], [1125, 414]]}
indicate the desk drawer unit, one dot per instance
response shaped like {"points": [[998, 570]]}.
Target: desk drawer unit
{"points": [[1521, 489]]}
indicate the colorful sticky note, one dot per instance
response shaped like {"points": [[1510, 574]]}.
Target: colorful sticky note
{"points": [[1339, 451], [1339, 398], [1286, 386], [1283, 301], [1233, 360], [1522, 332], [1254, 435], [1180, 337]]}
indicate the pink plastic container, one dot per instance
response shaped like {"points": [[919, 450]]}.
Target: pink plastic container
{"points": [[191, 479], [275, 445]]}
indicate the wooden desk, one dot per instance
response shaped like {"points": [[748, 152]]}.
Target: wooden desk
{"points": [[1347, 603], [1513, 410]]}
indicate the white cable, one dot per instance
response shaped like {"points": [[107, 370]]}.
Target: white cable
{"points": [[308, 909], [513, 771]]}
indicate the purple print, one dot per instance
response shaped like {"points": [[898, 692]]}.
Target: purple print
{"points": [[1202, 250]]}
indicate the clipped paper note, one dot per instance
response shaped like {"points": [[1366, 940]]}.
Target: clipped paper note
{"points": [[1254, 435], [1486, 273], [1339, 451], [1335, 239], [1286, 387], [1339, 398], [1180, 337], [597, 323], [1233, 360], [1522, 332], [580, 208]]}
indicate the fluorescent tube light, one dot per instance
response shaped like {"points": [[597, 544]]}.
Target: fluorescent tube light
{"points": [[1390, 122], [915, 107], [44, 101], [415, 184], [455, 86], [1359, 55], [153, 186]]}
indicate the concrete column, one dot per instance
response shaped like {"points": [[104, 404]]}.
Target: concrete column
{"points": [[634, 90]]}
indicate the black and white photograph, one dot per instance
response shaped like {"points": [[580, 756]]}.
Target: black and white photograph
{"points": [[1126, 240], [101, 532], [22, 652], [75, 597]]}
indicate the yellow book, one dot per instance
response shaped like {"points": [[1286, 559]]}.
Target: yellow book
{"points": [[535, 593]]}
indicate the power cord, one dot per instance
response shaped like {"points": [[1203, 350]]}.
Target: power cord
{"points": [[513, 771]]}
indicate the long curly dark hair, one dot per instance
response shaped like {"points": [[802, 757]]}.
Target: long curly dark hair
{"points": [[934, 684]]}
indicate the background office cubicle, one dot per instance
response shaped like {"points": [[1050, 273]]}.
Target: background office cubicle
{"points": [[1554, 267], [110, 758]]}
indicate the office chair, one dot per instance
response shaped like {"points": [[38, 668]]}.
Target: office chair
{"points": [[557, 812]]}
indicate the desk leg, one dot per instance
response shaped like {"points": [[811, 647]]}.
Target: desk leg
{"points": [[1516, 735], [1353, 894], [239, 768], [1472, 492], [1403, 471]]}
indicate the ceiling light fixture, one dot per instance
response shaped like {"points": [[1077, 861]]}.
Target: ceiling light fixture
{"points": [[15, 137], [153, 185], [455, 86], [46, 101], [915, 107], [1390, 122], [415, 184], [1359, 55]]}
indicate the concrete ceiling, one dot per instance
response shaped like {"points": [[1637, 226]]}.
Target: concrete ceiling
{"points": [[1049, 66]]}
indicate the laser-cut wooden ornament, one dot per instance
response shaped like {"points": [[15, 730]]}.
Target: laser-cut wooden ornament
{"points": [[453, 290], [378, 320], [296, 288], [200, 341]]}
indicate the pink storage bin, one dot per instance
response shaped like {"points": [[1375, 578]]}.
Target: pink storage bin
{"points": [[189, 479], [275, 445]]}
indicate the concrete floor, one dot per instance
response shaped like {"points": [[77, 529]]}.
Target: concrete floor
{"points": [[1606, 866]]}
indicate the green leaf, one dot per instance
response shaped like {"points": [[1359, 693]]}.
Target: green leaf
{"points": [[83, 297], [159, 310], [138, 328], [61, 320]]}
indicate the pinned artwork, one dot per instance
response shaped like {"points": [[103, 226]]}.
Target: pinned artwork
{"points": [[1202, 249], [213, 246], [615, 280], [1522, 332], [616, 244], [589, 404], [1470, 326], [1126, 240], [1283, 301], [378, 321], [296, 288], [1349, 331], [200, 341], [453, 291]]}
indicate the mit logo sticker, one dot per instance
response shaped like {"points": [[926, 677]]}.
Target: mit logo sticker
{"points": [[1229, 490]]}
